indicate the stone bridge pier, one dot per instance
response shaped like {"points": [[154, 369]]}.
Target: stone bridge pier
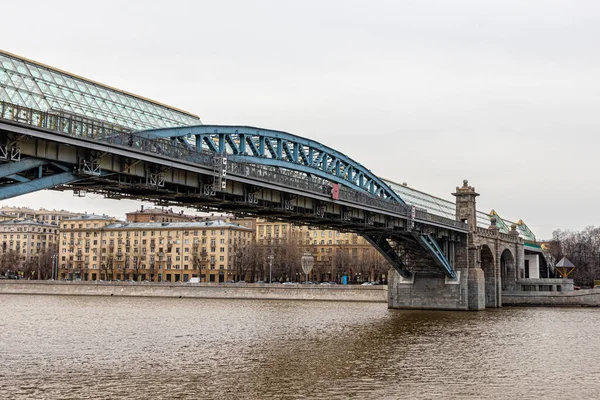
{"points": [[486, 262]]}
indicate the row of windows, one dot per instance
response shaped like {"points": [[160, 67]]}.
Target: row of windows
{"points": [[135, 259], [152, 241], [142, 267], [144, 250], [33, 237], [161, 233], [26, 229]]}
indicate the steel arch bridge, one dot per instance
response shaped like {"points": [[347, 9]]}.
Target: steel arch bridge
{"points": [[59, 130], [278, 149]]}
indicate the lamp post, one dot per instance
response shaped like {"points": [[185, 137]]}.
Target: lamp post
{"points": [[54, 258], [270, 258], [307, 261]]}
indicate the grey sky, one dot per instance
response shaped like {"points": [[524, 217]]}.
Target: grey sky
{"points": [[504, 93]]}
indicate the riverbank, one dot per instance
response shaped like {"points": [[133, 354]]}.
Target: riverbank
{"points": [[355, 293], [572, 298]]}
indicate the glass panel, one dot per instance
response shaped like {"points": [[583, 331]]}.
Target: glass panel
{"points": [[64, 92]]}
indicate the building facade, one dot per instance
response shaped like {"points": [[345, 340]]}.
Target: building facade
{"points": [[100, 248], [27, 247]]}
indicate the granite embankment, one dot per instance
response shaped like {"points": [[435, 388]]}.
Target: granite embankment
{"points": [[199, 290], [573, 298]]}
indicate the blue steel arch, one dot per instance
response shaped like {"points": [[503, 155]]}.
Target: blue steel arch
{"points": [[280, 149]]}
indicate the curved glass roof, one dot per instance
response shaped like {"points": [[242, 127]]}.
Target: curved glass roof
{"points": [[35, 85]]}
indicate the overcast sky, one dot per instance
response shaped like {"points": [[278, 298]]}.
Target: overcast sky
{"points": [[505, 93]]}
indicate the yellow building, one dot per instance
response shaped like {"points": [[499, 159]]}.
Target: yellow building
{"points": [[97, 247], [23, 242], [41, 215]]}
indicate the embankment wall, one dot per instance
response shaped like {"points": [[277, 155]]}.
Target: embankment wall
{"points": [[572, 298], [200, 290]]}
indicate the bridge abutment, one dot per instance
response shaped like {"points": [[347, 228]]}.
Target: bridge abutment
{"points": [[428, 291]]}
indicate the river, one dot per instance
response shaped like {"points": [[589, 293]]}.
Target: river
{"points": [[67, 347]]}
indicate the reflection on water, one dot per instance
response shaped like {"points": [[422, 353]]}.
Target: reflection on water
{"points": [[140, 348]]}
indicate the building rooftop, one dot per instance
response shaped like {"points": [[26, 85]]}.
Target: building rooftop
{"points": [[160, 211], [27, 222], [89, 217]]}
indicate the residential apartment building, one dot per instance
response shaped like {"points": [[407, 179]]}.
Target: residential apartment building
{"points": [[25, 240], [97, 247], [41, 215]]}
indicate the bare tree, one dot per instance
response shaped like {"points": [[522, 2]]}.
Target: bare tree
{"points": [[45, 263], [136, 264], [10, 263], [286, 262], [583, 249], [108, 267], [199, 259]]}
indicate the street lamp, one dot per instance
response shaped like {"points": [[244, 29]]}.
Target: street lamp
{"points": [[307, 261], [270, 258], [54, 258]]}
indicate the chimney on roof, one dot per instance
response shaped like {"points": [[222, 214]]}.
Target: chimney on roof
{"points": [[142, 208]]}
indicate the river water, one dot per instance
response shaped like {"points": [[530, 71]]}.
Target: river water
{"points": [[60, 347]]}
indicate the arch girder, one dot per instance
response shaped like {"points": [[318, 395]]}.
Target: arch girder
{"points": [[293, 152]]}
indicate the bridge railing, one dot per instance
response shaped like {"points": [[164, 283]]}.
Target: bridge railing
{"points": [[495, 234], [113, 134], [424, 215]]}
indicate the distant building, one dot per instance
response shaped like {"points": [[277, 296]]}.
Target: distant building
{"points": [[98, 247], [157, 215], [5, 217], [23, 241], [41, 215]]}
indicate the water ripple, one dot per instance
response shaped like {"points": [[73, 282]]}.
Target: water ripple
{"points": [[140, 348]]}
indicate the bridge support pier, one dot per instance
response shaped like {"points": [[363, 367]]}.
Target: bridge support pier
{"points": [[424, 290], [436, 292], [476, 289]]}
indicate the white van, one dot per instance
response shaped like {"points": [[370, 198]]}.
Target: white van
{"points": [[194, 280]]}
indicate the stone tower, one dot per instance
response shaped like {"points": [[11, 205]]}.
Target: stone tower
{"points": [[466, 209]]}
